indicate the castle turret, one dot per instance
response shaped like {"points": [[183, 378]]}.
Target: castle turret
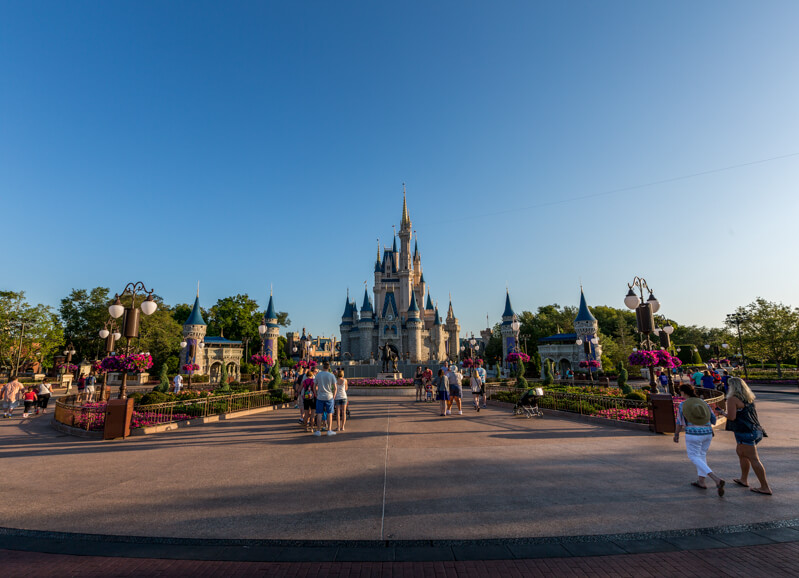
{"points": [[194, 334], [272, 331], [366, 327], [414, 325], [438, 337], [405, 262], [587, 327], [509, 336], [453, 333], [345, 327]]}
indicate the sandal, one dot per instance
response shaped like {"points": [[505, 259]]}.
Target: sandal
{"points": [[740, 483], [759, 491], [720, 488], [698, 485]]}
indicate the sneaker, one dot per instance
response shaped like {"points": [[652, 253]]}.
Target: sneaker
{"points": [[317, 433], [478, 409], [460, 412], [331, 433], [449, 412]]}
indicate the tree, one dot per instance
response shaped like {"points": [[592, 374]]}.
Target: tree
{"points": [[283, 319], [28, 333], [769, 331], [621, 381], [83, 314], [181, 312], [277, 379], [235, 318]]}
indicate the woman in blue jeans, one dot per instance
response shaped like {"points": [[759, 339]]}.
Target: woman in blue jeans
{"points": [[742, 419]]}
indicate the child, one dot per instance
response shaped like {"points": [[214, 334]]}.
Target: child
{"points": [[30, 401]]}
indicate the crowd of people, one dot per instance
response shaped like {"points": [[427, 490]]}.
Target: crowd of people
{"points": [[448, 387], [34, 398], [320, 395]]}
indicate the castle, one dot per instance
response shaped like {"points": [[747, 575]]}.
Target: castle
{"points": [[397, 318]]}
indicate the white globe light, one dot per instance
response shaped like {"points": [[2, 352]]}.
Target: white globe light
{"points": [[668, 329], [104, 333], [262, 329], [201, 345], [578, 342], [653, 303], [116, 310], [631, 300], [725, 345], [594, 340], [183, 344], [149, 306], [707, 346], [656, 331], [117, 335]]}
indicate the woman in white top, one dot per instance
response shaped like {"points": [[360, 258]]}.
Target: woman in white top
{"points": [[44, 393], [340, 400]]}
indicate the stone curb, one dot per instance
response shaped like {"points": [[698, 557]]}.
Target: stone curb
{"points": [[397, 550]]}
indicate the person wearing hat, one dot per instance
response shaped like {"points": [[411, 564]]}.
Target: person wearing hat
{"points": [[455, 379], [696, 418]]}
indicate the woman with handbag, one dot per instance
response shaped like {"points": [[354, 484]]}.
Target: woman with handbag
{"points": [[742, 419]]}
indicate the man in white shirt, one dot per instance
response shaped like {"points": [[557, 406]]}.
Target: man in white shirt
{"points": [[325, 385], [482, 373], [177, 383]]}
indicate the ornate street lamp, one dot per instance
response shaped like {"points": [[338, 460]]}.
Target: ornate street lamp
{"points": [[130, 323], [665, 343], [110, 333], [644, 315], [262, 329], [736, 319], [587, 343], [68, 353]]}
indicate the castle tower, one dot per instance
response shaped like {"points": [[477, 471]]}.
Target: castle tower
{"points": [[586, 327], [405, 264], [414, 325], [194, 334], [438, 339], [453, 332], [345, 327], [509, 337], [366, 327], [272, 330]]}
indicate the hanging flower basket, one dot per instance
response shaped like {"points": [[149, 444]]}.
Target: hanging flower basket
{"points": [[67, 367], [469, 362], [306, 364], [659, 357], [592, 363], [136, 363], [262, 359], [190, 367], [517, 356]]}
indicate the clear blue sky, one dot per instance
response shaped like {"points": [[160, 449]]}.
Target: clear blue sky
{"points": [[245, 144]]}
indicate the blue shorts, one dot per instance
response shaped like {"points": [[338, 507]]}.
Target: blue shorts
{"points": [[443, 395], [749, 439], [455, 391], [341, 401], [324, 406]]}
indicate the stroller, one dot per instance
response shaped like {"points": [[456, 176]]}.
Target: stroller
{"points": [[528, 403], [428, 391]]}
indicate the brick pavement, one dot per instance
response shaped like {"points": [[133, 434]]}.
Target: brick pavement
{"points": [[772, 560]]}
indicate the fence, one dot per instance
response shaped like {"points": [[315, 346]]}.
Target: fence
{"points": [[91, 415], [611, 408]]}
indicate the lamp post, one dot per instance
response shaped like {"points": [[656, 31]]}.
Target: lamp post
{"points": [[262, 328], [110, 333], [737, 319], [68, 353], [644, 315], [717, 350], [587, 343], [130, 323], [665, 343]]}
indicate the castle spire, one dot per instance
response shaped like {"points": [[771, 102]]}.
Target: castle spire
{"points": [[584, 314], [413, 310], [270, 310], [508, 309], [406, 219], [196, 317]]}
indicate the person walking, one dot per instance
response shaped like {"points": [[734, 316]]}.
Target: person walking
{"points": [[30, 399], [10, 396], [696, 418], [455, 389], [697, 377], [298, 379], [325, 386], [340, 400], [418, 383], [91, 381], [707, 381], [45, 391], [427, 381], [81, 387], [481, 373], [476, 386], [308, 395], [177, 383], [742, 420], [441, 383]]}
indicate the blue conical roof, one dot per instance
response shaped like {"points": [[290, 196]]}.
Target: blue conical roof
{"points": [[347, 308], [438, 319], [584, 314], [395, 245], [196, 317], [414, 307], [421, 277], [429, 304], [270, 310], [415, 248], [508, 309], [367, 303]]}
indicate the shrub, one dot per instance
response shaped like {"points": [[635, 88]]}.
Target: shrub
{"points": [[636, 395], [223, 375], [277, 379], [153, 397], [622, 379], [548, 378]]}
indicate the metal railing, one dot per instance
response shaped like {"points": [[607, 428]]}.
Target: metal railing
{"points": [[90, 415], [601, 406]]}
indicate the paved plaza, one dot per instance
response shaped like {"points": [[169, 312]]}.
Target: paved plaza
{"points": [[399, 472]]}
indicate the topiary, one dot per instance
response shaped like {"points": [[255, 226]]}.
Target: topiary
{"points": [[548, 379], [636, 395], [223, 377], [277, 380], [622, 379]]}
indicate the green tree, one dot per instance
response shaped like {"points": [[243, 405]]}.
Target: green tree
{"points": [[28, 333], [235, 318], [223, 376], [770, 331], [548, 378], [277, 379], [83, 314], [622, 379]]}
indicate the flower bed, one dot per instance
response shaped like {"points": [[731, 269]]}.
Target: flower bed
{"points": [[93, 419], [355, 381]]}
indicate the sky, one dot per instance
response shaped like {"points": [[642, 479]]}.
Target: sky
{"points": [[249, 145]]}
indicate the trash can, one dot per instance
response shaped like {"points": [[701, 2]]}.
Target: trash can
{"points": [[118, 413], [661, 410]]}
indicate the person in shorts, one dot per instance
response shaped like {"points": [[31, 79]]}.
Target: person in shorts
{"points": [[476, 387], [177, 383], [325, 385], [455, 390], [30, 399], [91, 382], [442, 388], [45, 391], [418, 383], [341, 400], [10, 396], [308, 396], [81, 387]]}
